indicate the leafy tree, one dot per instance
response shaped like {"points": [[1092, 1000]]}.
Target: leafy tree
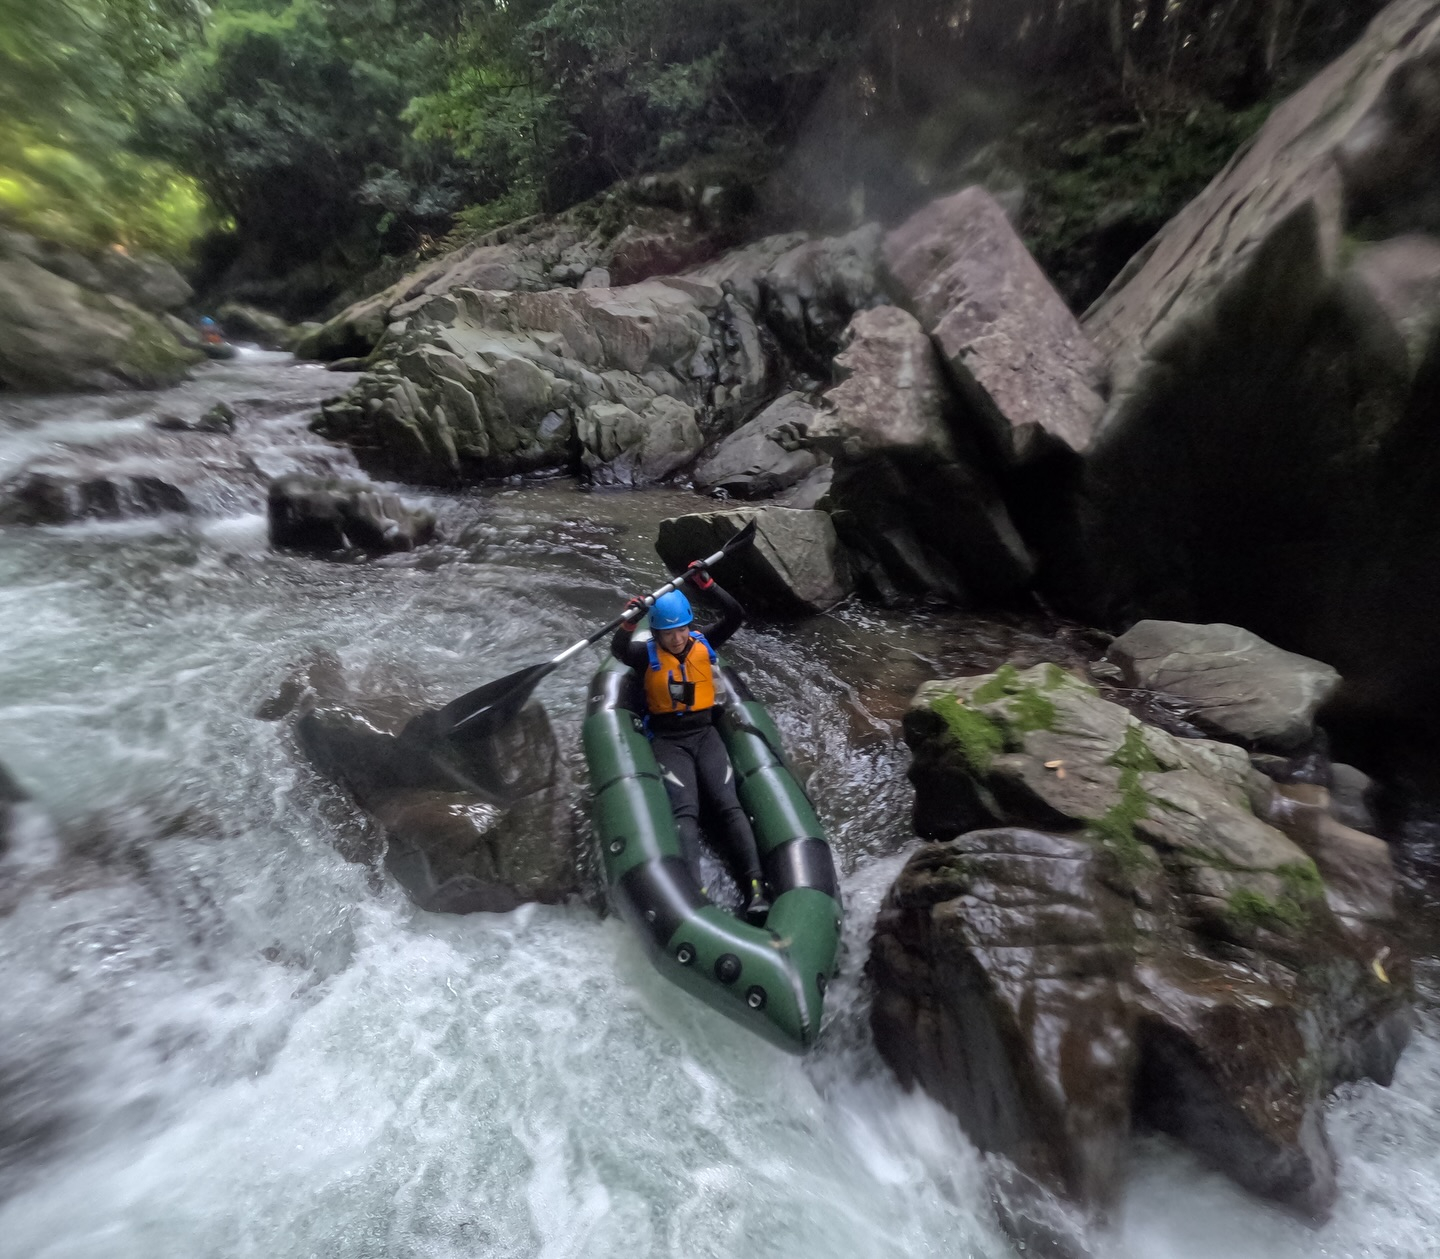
{"points": [[75, 75]]}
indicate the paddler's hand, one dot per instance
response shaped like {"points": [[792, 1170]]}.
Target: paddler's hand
{"points": [[634, 610], [699, 575]]}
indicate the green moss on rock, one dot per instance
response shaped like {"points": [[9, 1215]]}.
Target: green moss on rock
{"points": [[1248, 909], [1027, 707], [980, 740]]}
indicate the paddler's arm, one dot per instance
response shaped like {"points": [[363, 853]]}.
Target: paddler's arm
{"points": [[732, 615], [621, 647]]}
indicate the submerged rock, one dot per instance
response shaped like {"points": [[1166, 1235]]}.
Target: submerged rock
{"points": [[796, 565], [483, 827], [310, 513], [1240, 686], [911, 496], [1139, 933]]}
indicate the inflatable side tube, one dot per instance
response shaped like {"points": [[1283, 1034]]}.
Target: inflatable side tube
{"points": [[764, 978]]}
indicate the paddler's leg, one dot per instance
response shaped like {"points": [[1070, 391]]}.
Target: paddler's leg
{"points": [[677, 771], [737, 838]]}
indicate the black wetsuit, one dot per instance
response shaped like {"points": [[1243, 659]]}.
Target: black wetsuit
{"points": [[693, 760]]}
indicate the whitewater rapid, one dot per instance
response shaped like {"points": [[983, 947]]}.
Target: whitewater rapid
{"points": [[221, 1038]]}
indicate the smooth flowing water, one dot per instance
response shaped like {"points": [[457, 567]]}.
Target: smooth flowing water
{"points": [[218, 1037]]}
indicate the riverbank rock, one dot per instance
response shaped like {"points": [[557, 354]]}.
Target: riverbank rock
{"points": [[1275, 419], [620, 383], [638, 229], [326, 514], [1027, 371], [57, 335], [911, 497], [480, 828], [250, 323], [1109, 934], [795, 567], [765, 455], [1239, 686]]}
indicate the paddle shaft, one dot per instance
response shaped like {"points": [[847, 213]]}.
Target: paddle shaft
{"points": [[648, 601]]}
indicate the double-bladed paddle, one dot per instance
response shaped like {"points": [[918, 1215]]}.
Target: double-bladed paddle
{"points": [[479, 713]]}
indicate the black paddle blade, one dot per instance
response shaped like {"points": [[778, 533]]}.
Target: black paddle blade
{"points": [[481, 712]]}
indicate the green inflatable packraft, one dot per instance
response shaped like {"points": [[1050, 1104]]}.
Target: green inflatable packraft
{"points": [[771, 978]]}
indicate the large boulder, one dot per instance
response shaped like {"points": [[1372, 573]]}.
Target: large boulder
{"points": [[805, 291], [1271, 452], [250, 323], [910, 493], [1136, 935], [1235, 683], [621, 383], [796, 565], [1021, 360], [58, 335], [147, 282], [483, 826], [764, 455], [309, 513]]}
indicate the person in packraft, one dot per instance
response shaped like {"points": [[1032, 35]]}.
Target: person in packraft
{"points": [[678, 671]]}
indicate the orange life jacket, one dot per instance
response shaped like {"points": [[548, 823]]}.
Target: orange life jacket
{"points": [[673, 685]]}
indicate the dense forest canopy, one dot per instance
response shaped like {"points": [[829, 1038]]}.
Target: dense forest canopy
{"points": [[317, 137]]}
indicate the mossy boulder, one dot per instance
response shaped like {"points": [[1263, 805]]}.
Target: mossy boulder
{"points": [[1116, 928]]}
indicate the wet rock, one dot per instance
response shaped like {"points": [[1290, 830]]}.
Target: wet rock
{"points": [[217, 419], [57, 335], [1352, 793], [765, 455], [810, 293], [620, 446], [910, 495], [53, 498], [329, 514], [480, 828], [150, 283], [250, 323], [1132, 945], [1272, 427], [1238, 685], [12, 795], [795, 567], [1026, 368], [619, 382], [813, 491]]}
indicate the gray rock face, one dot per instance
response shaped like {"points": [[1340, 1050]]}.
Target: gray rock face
{"points": [[57, 335], [621, 446], [477, 828], [795, 567], [765, 455], [910, 499], [1273, 421], [309, 513], [152, 284], [1241, 686], [252, 323], [1024, 364], [1145, 930], [618, 382]]}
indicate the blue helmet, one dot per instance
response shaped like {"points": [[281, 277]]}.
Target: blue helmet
{"points": [[671, 612]]}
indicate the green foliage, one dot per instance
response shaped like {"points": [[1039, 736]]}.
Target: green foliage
{"points": [[75, 75], [980, 740]]}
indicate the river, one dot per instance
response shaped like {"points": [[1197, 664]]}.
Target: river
{"points": [[221, 1038]]}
